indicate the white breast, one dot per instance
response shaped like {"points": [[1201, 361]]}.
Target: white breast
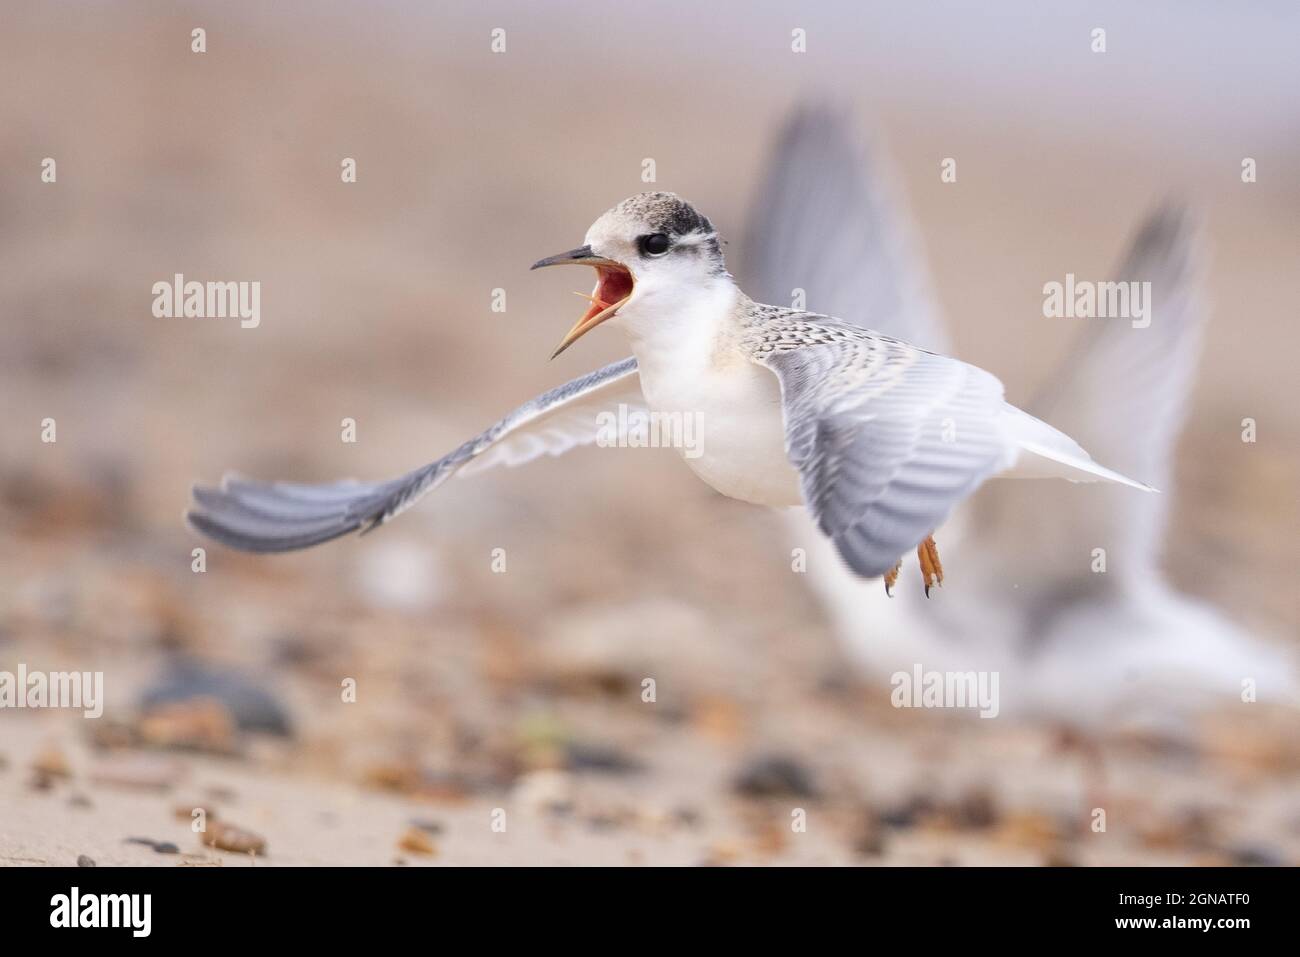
{"points": [[734, 404]]}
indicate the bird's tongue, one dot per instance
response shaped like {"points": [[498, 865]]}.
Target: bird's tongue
{"points": [[612, 286]]}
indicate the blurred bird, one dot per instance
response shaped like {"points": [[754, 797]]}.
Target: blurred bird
{"points": [[880, 438], [1068, 642]]}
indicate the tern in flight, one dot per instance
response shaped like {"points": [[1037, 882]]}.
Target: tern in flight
{"points": [[879, 438], [1083, 648]]}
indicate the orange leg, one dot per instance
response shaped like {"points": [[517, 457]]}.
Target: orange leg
{"points": [[931, 570], [891, 577]]}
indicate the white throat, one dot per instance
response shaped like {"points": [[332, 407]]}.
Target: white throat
{"points": [[679, 326]]}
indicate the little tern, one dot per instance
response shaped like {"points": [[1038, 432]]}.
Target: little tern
{"points": [[879, 438]]}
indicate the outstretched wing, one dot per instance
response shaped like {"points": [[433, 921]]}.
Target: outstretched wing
{"points": [[823, 221], [283, 516], [887, 438]]}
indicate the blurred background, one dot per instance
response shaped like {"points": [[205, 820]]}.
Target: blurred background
{"points": [[523, 691]]}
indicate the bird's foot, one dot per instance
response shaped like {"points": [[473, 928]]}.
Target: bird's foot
{"points": [[931, 570], [891, 577]]}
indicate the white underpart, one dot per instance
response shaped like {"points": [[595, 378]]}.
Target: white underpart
{"points": [[681, 336]]}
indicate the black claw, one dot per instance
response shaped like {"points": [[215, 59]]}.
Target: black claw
{"points": [[927, 590]]}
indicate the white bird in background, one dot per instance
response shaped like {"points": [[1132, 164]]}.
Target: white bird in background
{"points": [[880, 438], [1068, 643]]}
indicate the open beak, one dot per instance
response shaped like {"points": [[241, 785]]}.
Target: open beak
{"points": [[613, 288]]}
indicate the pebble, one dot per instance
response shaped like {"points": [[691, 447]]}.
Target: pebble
{"points": [[85, 861], [599, 758], [775, 775], [907, 813], [1256, 855], [417, 841], [228, 837], [248, 704], [198, 724], [159, 847], [976, 810], [52, 763], [868, 835]]}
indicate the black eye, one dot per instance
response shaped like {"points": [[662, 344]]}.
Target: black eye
{"points": [[656, 244]]}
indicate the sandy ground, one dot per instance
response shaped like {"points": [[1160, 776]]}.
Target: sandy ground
{"points": [[523, 691]]}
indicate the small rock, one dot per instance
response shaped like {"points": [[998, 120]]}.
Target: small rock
{"points": [[417, 841], [80, 801], [1256, 855], [401, 778], [1032, 829], [227, 837], [197, 724], [868, 835], [975, 810], [427, 825], [410, 778], [907, 813], [775, 776], [159, 847], [85, 861], [251, 707], [600, 758], [52, 763], [721, 853]]}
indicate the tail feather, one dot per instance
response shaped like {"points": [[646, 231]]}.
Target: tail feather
{"points": [[1049, 453]]}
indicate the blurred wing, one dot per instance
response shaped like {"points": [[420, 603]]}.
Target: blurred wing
{"points": [[1123, 392], [822, 222], [282, 516], [887, 439]]}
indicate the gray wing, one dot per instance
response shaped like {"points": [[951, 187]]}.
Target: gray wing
{"points": [[282, 516], [887, 439], [1124, 392], [823, 221]]}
